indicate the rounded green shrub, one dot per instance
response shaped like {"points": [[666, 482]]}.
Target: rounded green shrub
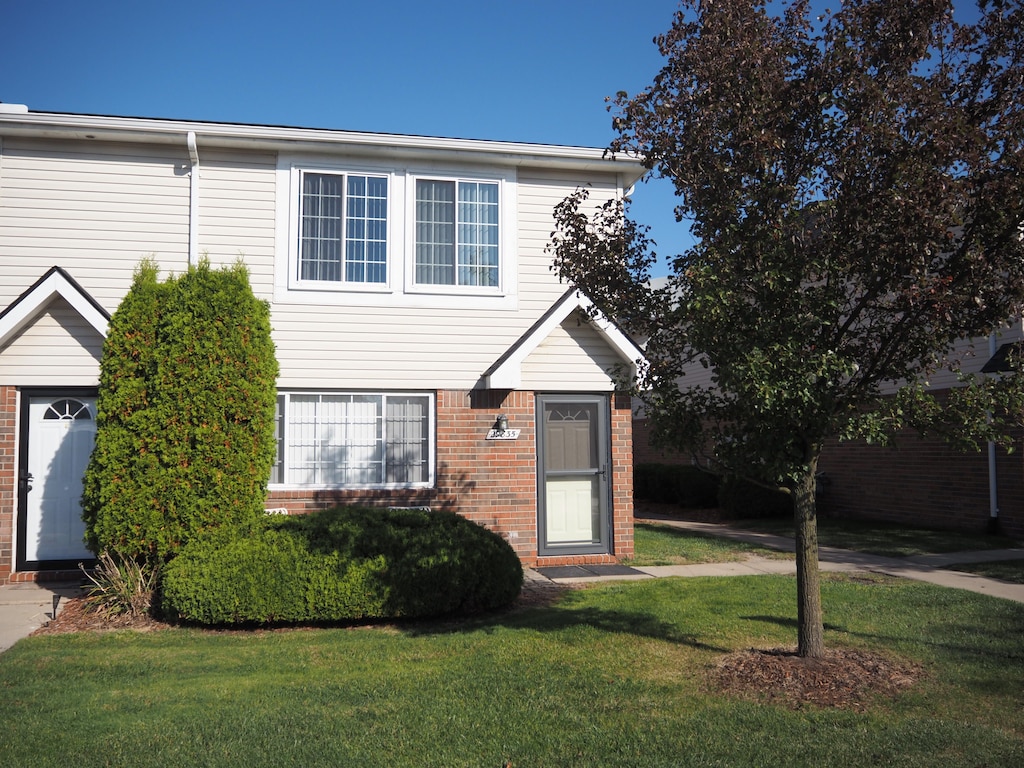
{"points": [[343, 565], [739, 498], [681, 484]]}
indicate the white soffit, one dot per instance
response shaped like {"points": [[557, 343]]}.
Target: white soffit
{"points": [[507, 371]]}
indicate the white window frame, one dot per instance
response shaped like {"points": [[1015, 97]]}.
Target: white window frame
{"points": [[296, 174], [400, 290], [507, 224], [282, 447]]}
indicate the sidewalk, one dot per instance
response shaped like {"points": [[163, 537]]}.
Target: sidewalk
{"points": [[928, 568], [26, 607]]}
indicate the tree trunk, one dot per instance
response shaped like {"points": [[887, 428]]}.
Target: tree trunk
{"points": [[810, 628]]}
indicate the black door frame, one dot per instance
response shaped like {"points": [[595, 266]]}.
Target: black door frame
{"points": [[26, 395]]}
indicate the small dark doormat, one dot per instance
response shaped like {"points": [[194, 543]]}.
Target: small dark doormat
{"points": [[586, 571]]}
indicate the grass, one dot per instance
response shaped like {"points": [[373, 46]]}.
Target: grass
{"points": [[1006, 570], [661, 545], [614, 675], [889, 540]]}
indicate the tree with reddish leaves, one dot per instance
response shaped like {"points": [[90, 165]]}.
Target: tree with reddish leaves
{"points": [[854, 183]]}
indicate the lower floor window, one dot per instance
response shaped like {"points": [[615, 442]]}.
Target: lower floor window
{"points": [[353, 439]]}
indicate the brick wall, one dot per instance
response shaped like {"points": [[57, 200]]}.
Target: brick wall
{"points": [[493, 482], [923, 483], [8, 479], [917, 482]]}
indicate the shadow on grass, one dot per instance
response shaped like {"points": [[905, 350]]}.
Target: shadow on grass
{"points": [[789, 623], [566, 617], [1002, 642]]}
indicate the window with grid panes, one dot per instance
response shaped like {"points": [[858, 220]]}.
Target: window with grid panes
{"points": [[343, 228], [457, 233], [353, 439]]}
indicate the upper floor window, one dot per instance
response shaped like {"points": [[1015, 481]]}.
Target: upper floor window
{"points": [[343, 229], [457, 233]]}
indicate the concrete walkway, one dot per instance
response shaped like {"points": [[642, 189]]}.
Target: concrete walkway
{"points": [[26, 607], [927, 568]]}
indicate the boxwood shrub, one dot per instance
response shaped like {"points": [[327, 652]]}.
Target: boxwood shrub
{"points": [[685, 485], [739, 498], [342, 565]]}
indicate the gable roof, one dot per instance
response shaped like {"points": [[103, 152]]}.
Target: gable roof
{"points": [[56, 282], [507, 371]]}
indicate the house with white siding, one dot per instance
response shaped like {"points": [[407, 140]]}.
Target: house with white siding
{"points": [[429, 356]]}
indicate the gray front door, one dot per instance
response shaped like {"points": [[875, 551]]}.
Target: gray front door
{"points": [[573, 474]]}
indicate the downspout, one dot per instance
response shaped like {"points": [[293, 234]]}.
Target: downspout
{"points": [[993, 491], [193, 199]]}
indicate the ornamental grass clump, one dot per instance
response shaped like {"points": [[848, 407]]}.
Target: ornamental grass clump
{"points": [[121, 586], [342, 565]]}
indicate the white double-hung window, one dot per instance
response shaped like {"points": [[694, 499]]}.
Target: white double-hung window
{"points": [[354, 439], [343, 229], [457, 233]]}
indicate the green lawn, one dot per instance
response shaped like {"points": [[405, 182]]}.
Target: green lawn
{"points": [[662, 545], [884, 539], [1006, 570], [614, 675]]}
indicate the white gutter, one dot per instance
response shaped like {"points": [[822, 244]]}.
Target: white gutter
{"points": [[193, 198], [993, 487], [277, 138]]}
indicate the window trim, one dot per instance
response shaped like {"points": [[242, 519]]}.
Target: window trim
{"points": [[399, 291], [281, 447], [297, 173], [507, 226]]}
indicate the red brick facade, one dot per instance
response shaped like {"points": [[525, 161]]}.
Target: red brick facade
{"points": [[8, 478], [494, 482], [923, 483]]}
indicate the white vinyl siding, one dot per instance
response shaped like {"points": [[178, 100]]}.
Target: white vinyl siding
{"points": [[359, 440], [94, 208], [573, 358], [236, 212], [58, 348], [400, 341]]}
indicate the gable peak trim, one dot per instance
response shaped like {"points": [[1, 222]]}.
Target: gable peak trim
{"points": [[55, 282]]}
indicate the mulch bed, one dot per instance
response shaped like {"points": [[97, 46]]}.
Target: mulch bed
{"points": [[845, 678], [74, 616]]}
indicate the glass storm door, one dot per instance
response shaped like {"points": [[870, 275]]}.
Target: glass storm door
{"points": [[60, 437], [573, 473]]}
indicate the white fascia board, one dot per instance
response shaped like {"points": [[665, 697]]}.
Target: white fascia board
{"points": [[30, 304], [279, 138], [509, 374]]}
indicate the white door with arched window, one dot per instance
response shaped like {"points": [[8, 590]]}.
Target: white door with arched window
{"points": [[60, 435]]}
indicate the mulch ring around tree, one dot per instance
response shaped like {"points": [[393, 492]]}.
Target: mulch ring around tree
{"points": [[845, 678]]}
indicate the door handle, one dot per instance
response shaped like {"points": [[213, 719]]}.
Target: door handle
{"points": [[25, 479]]}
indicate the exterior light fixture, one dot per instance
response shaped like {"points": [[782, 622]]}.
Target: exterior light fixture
{"points": [[502, 423]]}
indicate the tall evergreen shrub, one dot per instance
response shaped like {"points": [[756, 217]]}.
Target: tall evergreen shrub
{"points": [[191, 416]]}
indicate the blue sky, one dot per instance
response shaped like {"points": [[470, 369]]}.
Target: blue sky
{"points": [[518, 70]]}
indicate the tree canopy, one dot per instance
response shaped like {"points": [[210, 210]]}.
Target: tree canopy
{"points": [[855, 185]]}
